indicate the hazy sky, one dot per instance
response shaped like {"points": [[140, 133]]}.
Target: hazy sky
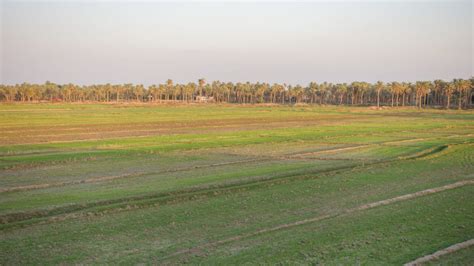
{"points": [[148, 42]]}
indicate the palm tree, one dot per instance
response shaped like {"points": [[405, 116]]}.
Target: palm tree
{"points": [[298, 93], [138, 91], [422, 88], [177, 90], [404, 90], [354, 91], [396, 88], [363, 87], [379, 87], [153, 91], [276, 90], [449, 90], [190, 90], [438, 88], [462, 86], [168, 89], [51, 90], [227, 88], [313, 90], [201, 83], [8, 92], [261, 89], [322, 89], [11, 93], [470, 95], [421, 93], [118, 90], [341, 90]]}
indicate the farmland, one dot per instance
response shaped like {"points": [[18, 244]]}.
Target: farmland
{"points": [[230, 184]]}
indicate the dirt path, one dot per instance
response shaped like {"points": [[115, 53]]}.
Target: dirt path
{"points": [[439, 253], [197, 249]]}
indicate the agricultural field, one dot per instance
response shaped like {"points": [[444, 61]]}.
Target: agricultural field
{"points": [[233, 184]]}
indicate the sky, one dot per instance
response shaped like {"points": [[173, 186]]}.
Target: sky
{"points": [[148, 42]]}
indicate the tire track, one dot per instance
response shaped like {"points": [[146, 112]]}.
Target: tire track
{"points": [[301, 155], [294, 156], [159, 198], [136, 174], [439, 253], [368, 206]]}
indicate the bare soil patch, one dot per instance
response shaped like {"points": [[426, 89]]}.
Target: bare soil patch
{"points": [[439, 253]]}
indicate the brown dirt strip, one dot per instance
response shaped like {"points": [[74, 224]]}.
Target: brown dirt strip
{"points": [[139, 174], [309, 159], [87, 133], [358, 146], [439, 253], [408, 140], [152, 128], [323, 217], [428, 152], [328, 151], [136, 174]]}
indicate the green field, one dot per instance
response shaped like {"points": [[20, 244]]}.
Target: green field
{"points": [[233, 184]]}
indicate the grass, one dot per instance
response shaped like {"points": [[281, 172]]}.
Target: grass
{"points": [[124, 183]]}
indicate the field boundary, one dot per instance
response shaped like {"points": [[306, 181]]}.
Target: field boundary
{"points": [[324, 217], [442, 252]]}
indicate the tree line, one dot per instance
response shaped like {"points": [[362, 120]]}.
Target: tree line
{"points": [[448, 94]]}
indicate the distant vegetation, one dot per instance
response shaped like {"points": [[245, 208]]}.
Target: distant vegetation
{"points": [[457, 93]]}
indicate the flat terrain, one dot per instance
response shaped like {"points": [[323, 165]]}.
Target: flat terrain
{"points": [[229, 184]]}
